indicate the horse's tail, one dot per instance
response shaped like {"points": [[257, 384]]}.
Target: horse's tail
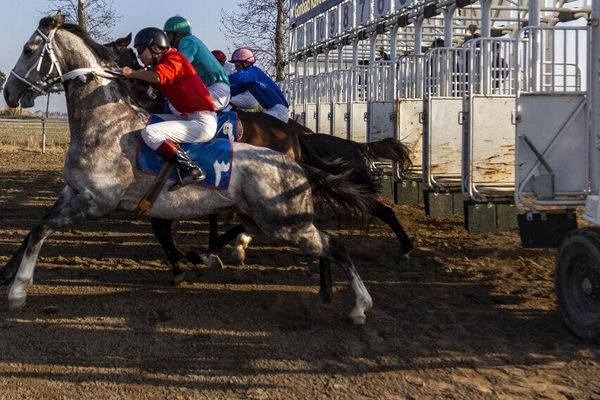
{"points": [[389, 149], [340, 183]]}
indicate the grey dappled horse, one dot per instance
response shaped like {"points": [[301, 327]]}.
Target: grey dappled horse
{"points": [[268, 190]]}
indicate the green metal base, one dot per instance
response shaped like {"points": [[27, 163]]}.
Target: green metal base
{"points": [[386, 184], [409, 193], [489, 217], [443, 204]]}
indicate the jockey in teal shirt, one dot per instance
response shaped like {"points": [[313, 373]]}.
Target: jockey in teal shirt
{"points": [[213, 75]]}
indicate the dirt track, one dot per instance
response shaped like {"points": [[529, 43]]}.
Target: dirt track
{"points": [[469, 316]]}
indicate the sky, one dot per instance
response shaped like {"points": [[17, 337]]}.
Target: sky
{"points": [[23, 18]]}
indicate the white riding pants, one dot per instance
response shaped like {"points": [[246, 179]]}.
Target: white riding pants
{"points": [[220, 93], [198, 127], [245, 101], [280, 112]]}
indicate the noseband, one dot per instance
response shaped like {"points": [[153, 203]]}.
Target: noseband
{"points": [[46, 84]]}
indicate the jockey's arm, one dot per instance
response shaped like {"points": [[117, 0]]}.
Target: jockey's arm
{"points": [[141, 74]]}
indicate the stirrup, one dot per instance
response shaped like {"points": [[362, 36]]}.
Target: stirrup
{"points": [[195, 176]]}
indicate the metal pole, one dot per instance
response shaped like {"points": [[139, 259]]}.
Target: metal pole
{"points": [[448, 18], [44, 124]]}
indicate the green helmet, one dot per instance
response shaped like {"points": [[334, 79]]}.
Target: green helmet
{"points": [[177, 24]]}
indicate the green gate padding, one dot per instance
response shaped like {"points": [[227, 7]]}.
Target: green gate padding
{"points": [[386, 184], [408, 193], [443, 204], [490, 217]]}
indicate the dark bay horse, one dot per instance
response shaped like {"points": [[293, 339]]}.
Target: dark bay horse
{"points": [[126, 56], [261, 129], [100, 174]]}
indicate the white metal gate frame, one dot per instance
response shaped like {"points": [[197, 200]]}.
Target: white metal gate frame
{"points": [[544, 70], [487, 159], [444, 85], [409, 98]]}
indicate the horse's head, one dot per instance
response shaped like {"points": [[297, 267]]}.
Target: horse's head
{"points": [[54, 49], [125, 55]]}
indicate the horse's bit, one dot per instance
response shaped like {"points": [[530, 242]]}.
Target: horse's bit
{"points": [[47, 83]]}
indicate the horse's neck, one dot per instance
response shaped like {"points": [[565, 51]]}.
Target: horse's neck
{"points": [[98, 108]]}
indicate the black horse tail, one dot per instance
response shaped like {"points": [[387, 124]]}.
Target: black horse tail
{"points": [[389, 149], [340, 183]]}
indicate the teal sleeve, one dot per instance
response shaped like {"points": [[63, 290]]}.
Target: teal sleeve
{"points": [[188, 49]]}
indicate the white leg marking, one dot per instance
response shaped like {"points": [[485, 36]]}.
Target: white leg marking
{"points": [[24, 277], [240, 246], [363, 301]]}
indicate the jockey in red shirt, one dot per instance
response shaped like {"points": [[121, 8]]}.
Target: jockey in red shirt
{"points": [[173, 75]]}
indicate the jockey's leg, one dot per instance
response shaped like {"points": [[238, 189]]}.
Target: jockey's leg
{"points": [[160, 137], [280, 112], [245, 101], [221, 94]]}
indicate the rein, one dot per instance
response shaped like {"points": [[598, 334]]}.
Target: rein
{"points": [[46, 84]]}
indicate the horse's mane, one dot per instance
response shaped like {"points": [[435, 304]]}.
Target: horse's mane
{"points": [[104, 53], [101, 51]]}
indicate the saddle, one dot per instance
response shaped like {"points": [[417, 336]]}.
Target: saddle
{"points": [[214, 157]]}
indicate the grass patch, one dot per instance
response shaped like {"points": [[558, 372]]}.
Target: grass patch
{"points": [[28, 133]]}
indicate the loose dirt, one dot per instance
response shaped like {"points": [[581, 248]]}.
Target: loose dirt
{"points": [[468, 316]]}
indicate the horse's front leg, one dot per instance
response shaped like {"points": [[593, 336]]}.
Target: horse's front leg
{"points": [[71, 207], [163, 230], [215, 243]]}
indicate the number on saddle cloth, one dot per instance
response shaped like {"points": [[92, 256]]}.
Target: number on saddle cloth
{"points": [[227, 125], [214, 157]]}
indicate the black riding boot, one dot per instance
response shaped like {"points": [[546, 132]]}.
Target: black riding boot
{"points": [[187, 170]]}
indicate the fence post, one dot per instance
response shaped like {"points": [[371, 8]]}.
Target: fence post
{"points": [[44, 124]]}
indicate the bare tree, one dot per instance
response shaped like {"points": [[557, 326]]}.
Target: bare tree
{"points": [[260, 25], [96, 17]]}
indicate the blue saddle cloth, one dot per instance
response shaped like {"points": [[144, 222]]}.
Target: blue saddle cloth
{"points": [[227, 126], [214, 157]]}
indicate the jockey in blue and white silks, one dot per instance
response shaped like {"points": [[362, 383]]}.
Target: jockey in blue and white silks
{"points": [[251, 79], [213, 75]]}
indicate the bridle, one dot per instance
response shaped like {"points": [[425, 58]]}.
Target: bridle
{"points": [[47, 84]]}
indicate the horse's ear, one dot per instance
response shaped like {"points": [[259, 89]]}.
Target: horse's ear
{"points": [[58, 20], [128, 38], [45, 23]]}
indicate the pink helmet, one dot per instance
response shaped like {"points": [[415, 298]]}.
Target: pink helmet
{"points": [[219, 55], [243, 54]]}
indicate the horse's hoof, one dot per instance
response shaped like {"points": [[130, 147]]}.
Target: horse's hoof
{"points": [[406, 256], [358, 317], [17, 303], [240, 246], [326, 296], [239, 254], [214, 261], [177, 279]]}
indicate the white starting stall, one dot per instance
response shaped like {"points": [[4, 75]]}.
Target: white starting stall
{"points": [[552, 137], [558, 169], [444, 86], [488, 153], [495, 113]]}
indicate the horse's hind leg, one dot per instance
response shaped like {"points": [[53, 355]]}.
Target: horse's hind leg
{"points": [[386, 214], [317, 243], [163, 230], [70, 207], [326, 290]]}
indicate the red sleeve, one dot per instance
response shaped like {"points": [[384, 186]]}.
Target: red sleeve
{"points": [[167, 69]]}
